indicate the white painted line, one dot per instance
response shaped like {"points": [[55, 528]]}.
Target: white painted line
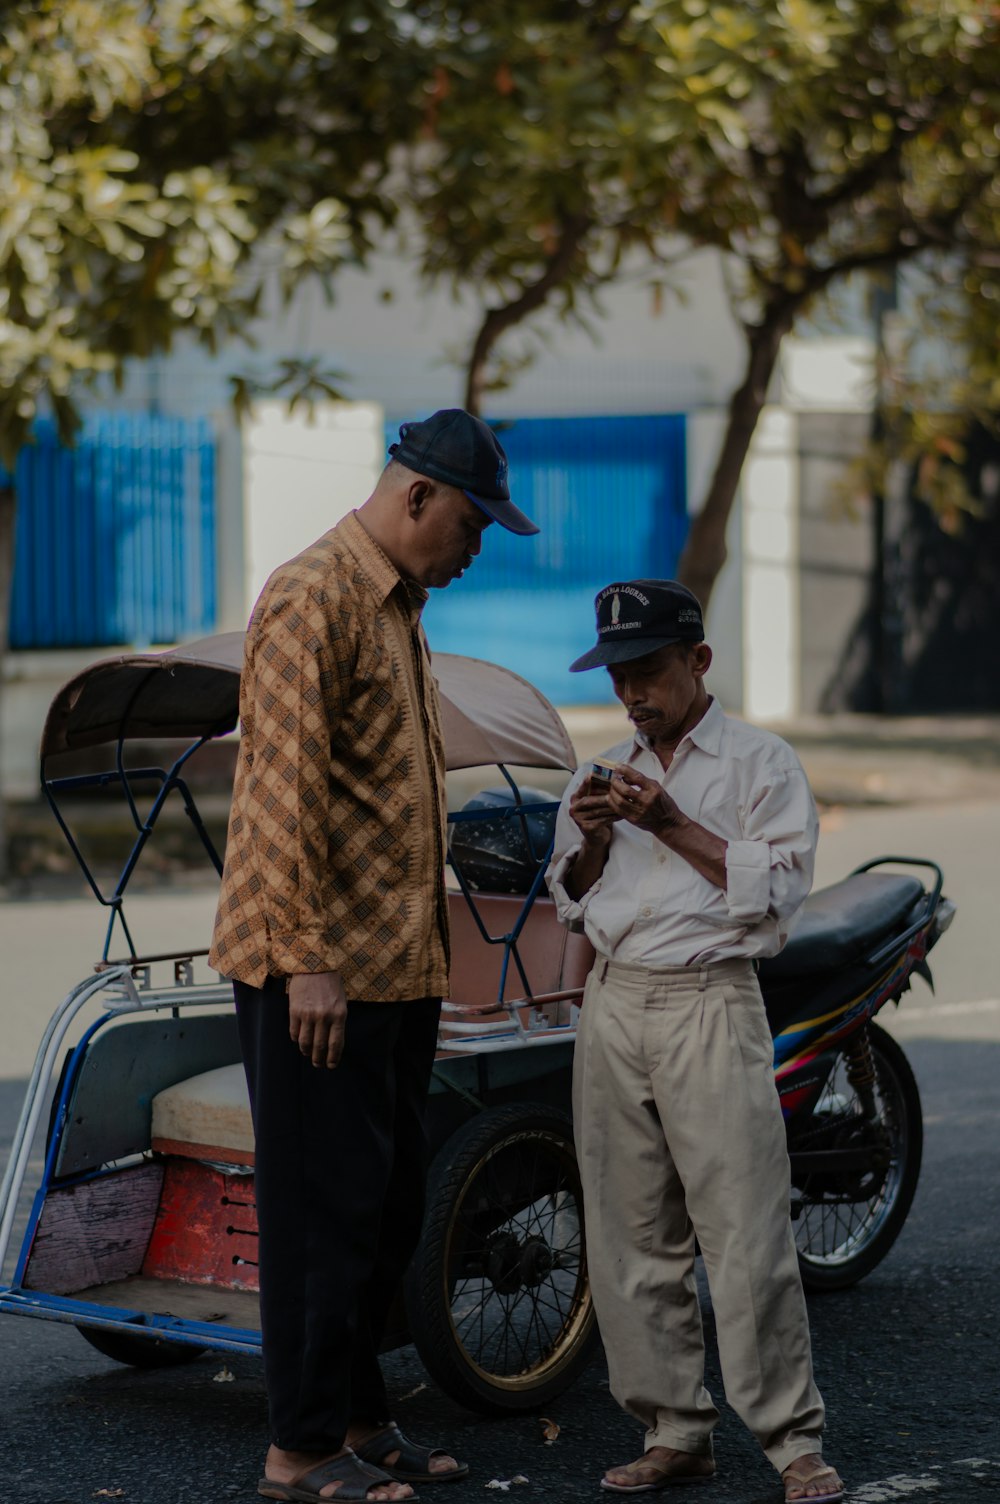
{"points": [[943, 1480], [915, 1011], [901, 1486]]}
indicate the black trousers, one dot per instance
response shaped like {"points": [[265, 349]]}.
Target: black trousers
{"points": [[341, 1159]]}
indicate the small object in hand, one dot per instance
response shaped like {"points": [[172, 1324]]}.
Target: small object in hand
{"points": [[601, 773]]}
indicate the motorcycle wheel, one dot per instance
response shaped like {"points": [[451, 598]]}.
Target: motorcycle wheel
{"points": [[497, 1296], [841, 1240], [139, 1352]]}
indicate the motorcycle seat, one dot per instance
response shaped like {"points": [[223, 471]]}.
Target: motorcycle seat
{"points": [[841, 924]]}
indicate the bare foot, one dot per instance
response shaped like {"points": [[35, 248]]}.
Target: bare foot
{"points": [[656, 1465], [809, 1477], [284, 1467]]}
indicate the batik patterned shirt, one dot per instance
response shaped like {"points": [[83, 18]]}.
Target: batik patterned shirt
{"points": [[335, 852]]}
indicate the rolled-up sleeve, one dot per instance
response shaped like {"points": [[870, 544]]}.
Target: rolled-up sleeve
{"points": [[769, 872], [565, 849]]}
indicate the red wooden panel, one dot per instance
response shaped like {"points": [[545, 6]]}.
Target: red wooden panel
{"points": [[206, 1228]]}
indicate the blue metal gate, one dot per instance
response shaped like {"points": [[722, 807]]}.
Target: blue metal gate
{"points": [[116, 536], [610, 497]]}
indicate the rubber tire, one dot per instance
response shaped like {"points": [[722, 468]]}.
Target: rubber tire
{"points": [[819, 1279], [139, 1352], [428, 1304]]}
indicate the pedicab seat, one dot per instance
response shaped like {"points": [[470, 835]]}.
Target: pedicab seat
{"points": [[205, 1117]]}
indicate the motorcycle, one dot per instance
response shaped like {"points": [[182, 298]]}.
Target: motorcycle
{"points": [[848, 1095], [849, 1098]]}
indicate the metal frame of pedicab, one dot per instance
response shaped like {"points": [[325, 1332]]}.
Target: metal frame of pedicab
{"points": [[490, 716]]}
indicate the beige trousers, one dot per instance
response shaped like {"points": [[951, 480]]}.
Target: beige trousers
{"points": [[679, 1135]]}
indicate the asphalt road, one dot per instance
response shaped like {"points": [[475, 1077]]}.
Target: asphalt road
{"points": [[909, 1361]]}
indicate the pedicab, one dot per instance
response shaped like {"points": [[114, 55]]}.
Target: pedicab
{"points": [[141, 1227]]}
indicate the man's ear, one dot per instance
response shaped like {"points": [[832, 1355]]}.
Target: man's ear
{"points": [[701, 659], [417, 497]]}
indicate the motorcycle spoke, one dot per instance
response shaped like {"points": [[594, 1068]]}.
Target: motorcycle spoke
{"points": [[831, 1228]]}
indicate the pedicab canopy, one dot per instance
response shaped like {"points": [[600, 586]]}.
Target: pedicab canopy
{"points": [[489, 713]]}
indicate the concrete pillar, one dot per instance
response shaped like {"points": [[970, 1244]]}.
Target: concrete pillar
{"points": [[770, 489], [724, 620]]}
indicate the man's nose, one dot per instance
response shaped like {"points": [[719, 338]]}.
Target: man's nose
{"points": [[477, 546]]}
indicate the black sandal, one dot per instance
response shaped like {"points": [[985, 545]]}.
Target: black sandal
{"points": [[412, 1463], [355, 1476]]}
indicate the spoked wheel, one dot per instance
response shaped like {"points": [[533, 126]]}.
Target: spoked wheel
{"points": [[497, 1297], [850, 1215]]}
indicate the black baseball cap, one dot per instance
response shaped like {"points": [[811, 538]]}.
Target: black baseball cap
{"points": [[635, 617], [463, 451]]}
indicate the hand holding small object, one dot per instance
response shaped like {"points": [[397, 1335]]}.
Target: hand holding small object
{"points": [[590, 810], [641, 802]]}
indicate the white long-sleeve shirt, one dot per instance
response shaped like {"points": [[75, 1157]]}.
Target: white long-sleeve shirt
{"points": [[650, 907]]}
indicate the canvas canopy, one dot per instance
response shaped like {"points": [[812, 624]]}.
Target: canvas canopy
{"points": [[489, 713]]}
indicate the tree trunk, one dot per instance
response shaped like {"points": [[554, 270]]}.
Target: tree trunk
{"points": [[8, 510], [498, 320], [475, 375], [704, 553]]}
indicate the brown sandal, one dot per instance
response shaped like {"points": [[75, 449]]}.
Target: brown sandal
{"points": [[673, 1474], [803, 1477]]}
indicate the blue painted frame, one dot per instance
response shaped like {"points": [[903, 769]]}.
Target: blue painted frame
{"points": [[116, 537]]}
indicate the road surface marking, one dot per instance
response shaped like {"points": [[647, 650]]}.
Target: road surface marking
{"points": [[942, 1480], [921, 1011]]}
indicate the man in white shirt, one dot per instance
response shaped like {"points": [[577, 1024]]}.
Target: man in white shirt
{"points": [[685, 866]]}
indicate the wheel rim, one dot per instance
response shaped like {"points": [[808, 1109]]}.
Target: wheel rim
{"points": [[515, 1271], [830, 1232]]}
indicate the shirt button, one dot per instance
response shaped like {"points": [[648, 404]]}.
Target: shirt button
{"points": [[647, 913]]}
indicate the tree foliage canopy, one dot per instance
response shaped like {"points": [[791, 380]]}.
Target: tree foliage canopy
{"points": [[800, 139], [157, 162]]}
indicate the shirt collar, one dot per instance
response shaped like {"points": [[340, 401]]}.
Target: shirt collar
{"points": [[378, 567], [706, 735]]}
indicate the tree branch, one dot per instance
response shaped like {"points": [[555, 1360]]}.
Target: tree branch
{"points": [[499, 320]]}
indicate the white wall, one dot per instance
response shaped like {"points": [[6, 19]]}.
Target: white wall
{"points": [[835, 373], [400, 345], [302, 473]]}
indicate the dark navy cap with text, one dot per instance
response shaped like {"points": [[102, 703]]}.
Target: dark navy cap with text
{"points": [[635, 617]]}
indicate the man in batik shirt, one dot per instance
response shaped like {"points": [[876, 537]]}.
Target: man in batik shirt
{"points": [[332, 924]]}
